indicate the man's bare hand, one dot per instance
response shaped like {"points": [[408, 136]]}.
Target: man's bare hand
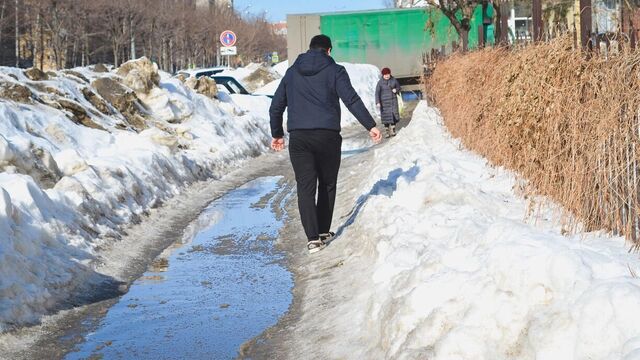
{"points": [[376, 135], [277, 144]]}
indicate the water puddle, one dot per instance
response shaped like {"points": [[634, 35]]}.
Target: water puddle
{"points": [[348, 153], [202, 298], [354, 146]]}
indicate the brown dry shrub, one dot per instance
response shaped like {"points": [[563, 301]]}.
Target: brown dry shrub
{"points": [[566, 122]]}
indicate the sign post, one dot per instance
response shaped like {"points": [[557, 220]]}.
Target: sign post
{"points": [[228, 40], [229, 50]]}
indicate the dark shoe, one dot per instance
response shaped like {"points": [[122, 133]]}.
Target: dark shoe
{"points": [[327, 237], [393, 130], [314, 246]]}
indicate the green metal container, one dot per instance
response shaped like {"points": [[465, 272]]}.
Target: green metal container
{"points": [[394, 38]]}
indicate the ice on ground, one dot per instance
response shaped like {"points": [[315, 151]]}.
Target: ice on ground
{"points": [[457, 269]]}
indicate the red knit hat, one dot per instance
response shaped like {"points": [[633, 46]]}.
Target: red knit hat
{"points": [[386, 71]]}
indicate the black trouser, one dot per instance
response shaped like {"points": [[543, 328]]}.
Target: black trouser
{"points": [[315, 156]]}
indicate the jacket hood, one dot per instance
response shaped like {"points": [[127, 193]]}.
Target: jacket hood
{"points": [[312, 62]]}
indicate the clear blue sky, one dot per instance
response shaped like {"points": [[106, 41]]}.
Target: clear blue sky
{"points": [[277, 10]]}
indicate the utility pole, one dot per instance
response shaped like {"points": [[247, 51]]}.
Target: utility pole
{"points": [[537, 20]]}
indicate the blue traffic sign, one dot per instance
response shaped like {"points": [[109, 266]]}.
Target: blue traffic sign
{"points": [[228, 38]]}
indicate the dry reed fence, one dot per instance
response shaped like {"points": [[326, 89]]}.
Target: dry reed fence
{"points": [[567, 123]]}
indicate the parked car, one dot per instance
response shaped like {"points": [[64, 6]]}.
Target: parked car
{"points": [[232, 85], [197, 73]]}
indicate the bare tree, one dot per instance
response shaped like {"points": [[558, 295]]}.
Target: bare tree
{"points": [[459, 13], [390, 4], [7, 32], [2, 12], [54, 23], [115, 21], [17, 16], [174, 33]]}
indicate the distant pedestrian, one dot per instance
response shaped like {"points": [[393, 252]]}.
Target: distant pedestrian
{"points": [[387, 92], [311, 90]]}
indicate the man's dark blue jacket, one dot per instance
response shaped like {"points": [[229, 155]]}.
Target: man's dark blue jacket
{"points": [[311, 89]]}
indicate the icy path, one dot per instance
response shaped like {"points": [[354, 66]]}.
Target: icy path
{"points": [[130, 258], [207, 294], [439, 257]]}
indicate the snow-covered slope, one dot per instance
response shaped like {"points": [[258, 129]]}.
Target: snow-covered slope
{"points": [[458, 268], [71, 180]]}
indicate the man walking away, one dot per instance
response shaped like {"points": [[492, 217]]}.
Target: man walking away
{"points": [[311, 90]]}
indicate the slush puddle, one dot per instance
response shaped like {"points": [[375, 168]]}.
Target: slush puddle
{"points": [[224, 284]]}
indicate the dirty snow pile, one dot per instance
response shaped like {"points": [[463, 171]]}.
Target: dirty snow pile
{"points": [[457, 267], [364, 78], [278, 72], [280, 68], [84, 153], [253, 76]]}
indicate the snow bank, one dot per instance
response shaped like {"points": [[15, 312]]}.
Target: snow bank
{"points": [[268, 89], [364, 78], [239, 74], [456, 269], [281, 68], [67, 188]]}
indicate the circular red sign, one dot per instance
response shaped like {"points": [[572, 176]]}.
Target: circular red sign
{"points": [[228, 38]]}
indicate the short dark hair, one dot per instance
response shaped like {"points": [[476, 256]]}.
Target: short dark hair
{"points": [[320, 42]]}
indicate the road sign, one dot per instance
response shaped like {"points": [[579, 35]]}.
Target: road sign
{"points": [[228, 38], [229, 50]]}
